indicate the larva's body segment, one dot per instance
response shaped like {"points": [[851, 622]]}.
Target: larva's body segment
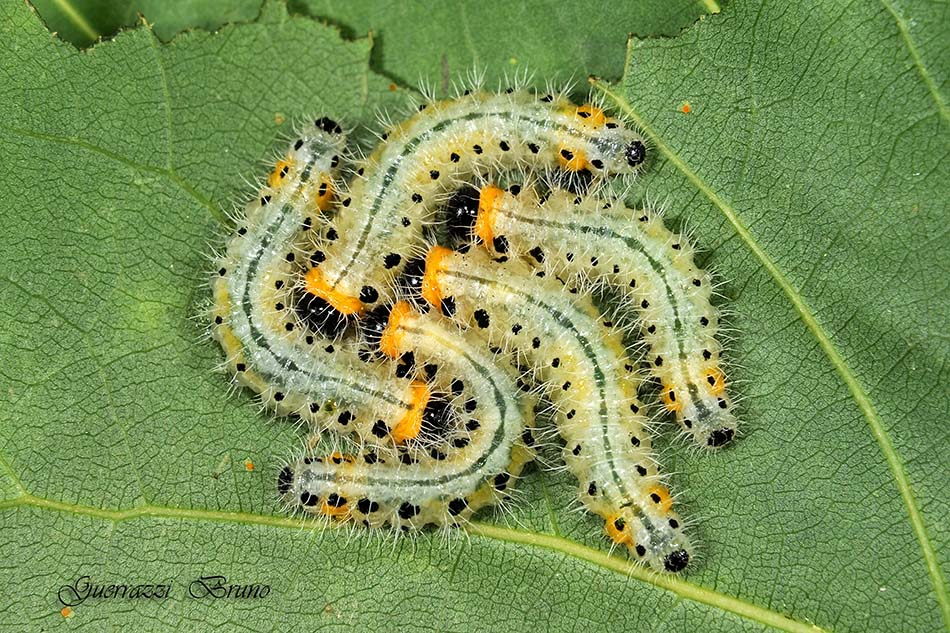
{"points": [[585, 241], [471, 462], [589, 379], [399, 188]]}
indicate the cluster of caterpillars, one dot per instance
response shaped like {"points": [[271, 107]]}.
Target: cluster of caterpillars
{"points": [[422, 305]]}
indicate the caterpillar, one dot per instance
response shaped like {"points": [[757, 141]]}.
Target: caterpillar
{"points": [[585, 240], [339, 303], [591, 382]]}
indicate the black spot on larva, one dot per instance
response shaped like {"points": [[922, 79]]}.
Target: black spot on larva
{"points": [[576, 450], [406, 221], [723, 404], [471, 405], [533, 148], [481, 318], [328, 125], [308, 499], [411, 279], [516, 328], [457, 506], [335, 501], [461, 211], [289, 327], [514, 190], [279, 284], [597, 163], [620, 524], [447, 306], [569, 257], [366, 506], [290, 257], [641, 550], [504, 146], [697, 283], [314, 407], [218, 320], [635, 408], [454, 157], [320, 316], [703, 321], [298, 144], [676, 561], [674, 523], [547, 99], [578, 182], [635, 153], [688, 423], [380, 429], [635, 440], [566, 385], [501, 481], [242, 231], [430, 369], [265, 200], [472, 425], [318, 257], [406, 364], [707, 354], [278, 395], [285, 479], [676, 246], [535, 342], [457, 386], [332, 235], [334, 161], [408, 510], [344, 418], [437, 455], [460, 442], [556, 362], [416, 198], [659, 361], [240, 366], [651, 329], [644, 304], [368, 294], [592, 488], [370, 458], [527, 438], [501, 244], [477, 149], [434, 174], [570, 414], [538, 254], [655, 497], [641, 470], [391, 260], [407, 459], [594, 261]]}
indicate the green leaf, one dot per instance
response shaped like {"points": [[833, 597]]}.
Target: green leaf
{"points": [[812, 166]]}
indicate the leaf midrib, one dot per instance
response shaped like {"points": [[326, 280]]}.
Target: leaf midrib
{"points": [[858, 393], [561, 545]]}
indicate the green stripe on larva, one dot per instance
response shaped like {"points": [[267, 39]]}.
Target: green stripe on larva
{"points": [[652, 270], [588, 377], [447, 143]]}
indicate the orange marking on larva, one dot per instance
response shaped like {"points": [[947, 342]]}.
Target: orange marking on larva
{"points": [[485, 220], [616, 528], [715, 381], [339, 458], [431, 291], [411, 423], [324, 194], [660, 495], [390, 342], [572, 159], [337, 512], [668, 395], [686, 108], [591, 115], [342, 303], [280, 172]]}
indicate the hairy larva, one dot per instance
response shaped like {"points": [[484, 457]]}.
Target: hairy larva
{"points": [[435, 411]]}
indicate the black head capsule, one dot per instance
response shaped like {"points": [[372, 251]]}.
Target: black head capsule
{"points": [[436, 417], [373, 325], [720, 437], [461, 211], [328, 125], [635, 153], [320, 316], [411, 279], [676, 561]]}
